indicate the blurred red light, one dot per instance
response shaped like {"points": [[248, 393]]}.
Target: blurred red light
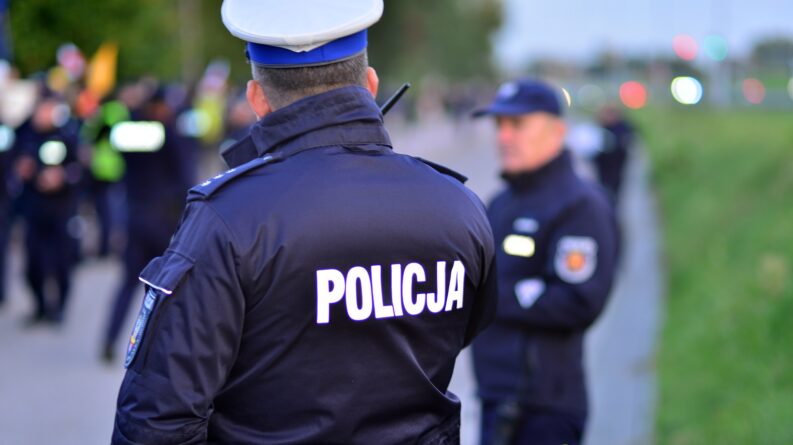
{"points": [[753, 91], [633, 94], [685, 47]]}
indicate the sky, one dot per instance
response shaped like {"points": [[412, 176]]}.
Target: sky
{"points": [[580, 29]]}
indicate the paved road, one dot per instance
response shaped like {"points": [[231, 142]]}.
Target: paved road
{"points": [[53, 389]]}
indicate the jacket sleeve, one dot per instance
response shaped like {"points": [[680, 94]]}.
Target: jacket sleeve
{"points": [[579, 271], [485, 298], [485, 303], [180, 359]]}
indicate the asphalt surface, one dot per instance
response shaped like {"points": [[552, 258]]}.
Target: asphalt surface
{"points": [[54, 388]]}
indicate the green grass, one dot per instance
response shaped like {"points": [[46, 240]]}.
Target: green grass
{"points": [[725, 184]]}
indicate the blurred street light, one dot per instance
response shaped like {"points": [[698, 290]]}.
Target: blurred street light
{"points": [[753, 91], [716, 47], [685, 47], [633, 94], [686, 90]]}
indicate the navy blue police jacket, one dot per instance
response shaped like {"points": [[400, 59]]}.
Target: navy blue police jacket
{"points": [[556, 250], [318, 293], [56, 148]]}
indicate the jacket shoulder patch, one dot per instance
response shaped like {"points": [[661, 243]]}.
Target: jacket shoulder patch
{"points": [[576, 259], [212, 185]]}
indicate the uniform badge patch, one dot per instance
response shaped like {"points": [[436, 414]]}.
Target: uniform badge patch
{"points": [[139, 329], [576, 258], [507, 90], [528, 291], [525, 225], [519, 245]]}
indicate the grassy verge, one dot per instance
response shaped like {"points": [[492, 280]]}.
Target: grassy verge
{"points": [[725, 183]]}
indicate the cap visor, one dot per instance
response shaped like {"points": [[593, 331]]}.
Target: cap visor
{"points": [[502, 110]]}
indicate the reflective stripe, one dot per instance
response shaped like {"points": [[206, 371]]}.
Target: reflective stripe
{"points": [[161, 289]]}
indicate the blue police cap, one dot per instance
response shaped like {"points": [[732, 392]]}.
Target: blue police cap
{"points": [[523, 96], [296, 33]]}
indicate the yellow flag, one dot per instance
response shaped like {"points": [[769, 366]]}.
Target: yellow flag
{"points": [[101, 77]]}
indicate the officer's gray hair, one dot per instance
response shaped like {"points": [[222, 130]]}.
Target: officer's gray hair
{"points": [[286, 85]]}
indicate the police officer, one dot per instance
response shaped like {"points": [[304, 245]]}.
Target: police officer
{"points": [[105, 165], [47, 164], [319, 291], [610, 162], [159, 170], [7, 136], [556, 245]]}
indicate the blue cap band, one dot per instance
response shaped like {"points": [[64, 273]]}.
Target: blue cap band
{"points": [[523, 96], [336, 50]]}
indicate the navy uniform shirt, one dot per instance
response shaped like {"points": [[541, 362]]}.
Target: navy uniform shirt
{"points": [[556, 249], [54, 148], [317, 294]]}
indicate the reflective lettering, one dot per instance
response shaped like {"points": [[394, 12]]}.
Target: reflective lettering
{"points": [[381, 310], [456, 286], [364, 311], [413, 271], [364, 292], [435, 301], [396, 289], [330, 289]]}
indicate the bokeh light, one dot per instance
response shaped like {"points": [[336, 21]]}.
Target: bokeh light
{"points": [[140, 136], [72, 60], [6, 138], [52, 152], [685, 47], [568, 99], [194, 123], [633, 94], [687, 90], [716, 47], [753, 91]]}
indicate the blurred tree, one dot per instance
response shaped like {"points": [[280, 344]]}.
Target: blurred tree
{"points": [[176, 38], [448, 38], [773, 52], [143, 30]]}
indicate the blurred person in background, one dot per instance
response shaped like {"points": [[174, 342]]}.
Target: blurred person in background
{"points": [[160, 167], [556, 239], [610, 162], [7, 135], [239, 119], [46, 163], [105, 165]]}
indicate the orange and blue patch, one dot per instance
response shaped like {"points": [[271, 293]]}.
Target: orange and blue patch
{"points": [[138, 331]]}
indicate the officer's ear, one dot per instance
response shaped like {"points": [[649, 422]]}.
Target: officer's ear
{"points": [[558, 129], [561, 128], [257, 99], [372, 81]]}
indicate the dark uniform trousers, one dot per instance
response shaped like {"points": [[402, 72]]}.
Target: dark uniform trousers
{"points": [[318, 292], [556, 248]]}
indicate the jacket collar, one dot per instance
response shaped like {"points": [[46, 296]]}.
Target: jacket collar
{"points": [[344, 116]]}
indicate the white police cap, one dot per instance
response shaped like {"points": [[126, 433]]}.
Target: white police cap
{"points": [[288, 33]]}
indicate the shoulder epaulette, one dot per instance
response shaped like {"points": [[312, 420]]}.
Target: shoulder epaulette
{"points": [[445, 170], [211, 185]]}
